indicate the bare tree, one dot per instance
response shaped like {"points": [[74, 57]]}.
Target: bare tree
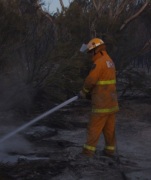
{"points": [[62, 5], [134, 16], [114, 9]]}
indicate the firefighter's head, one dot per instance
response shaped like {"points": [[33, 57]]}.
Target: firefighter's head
{"points": [[94, 46]]}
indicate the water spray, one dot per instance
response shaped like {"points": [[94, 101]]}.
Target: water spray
{"points": [[38, 118]]}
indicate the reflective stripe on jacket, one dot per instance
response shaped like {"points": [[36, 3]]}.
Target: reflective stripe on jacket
{"points": [[101, 83], [106, 82]]}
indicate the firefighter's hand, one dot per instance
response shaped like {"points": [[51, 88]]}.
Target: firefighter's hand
{"points": [[82, 95]]}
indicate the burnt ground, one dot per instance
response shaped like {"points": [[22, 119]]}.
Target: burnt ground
{"points": [[49, 149]]}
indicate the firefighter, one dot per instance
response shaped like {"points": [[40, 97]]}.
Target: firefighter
{"points": [[101, 84]]}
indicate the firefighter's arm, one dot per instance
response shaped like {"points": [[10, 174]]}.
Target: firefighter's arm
{"points": [[90, 80]]}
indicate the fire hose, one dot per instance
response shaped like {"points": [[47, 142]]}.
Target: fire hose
{"points": [[38, 118]]}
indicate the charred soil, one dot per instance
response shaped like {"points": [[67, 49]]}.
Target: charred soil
{"points": [[56, 142]]}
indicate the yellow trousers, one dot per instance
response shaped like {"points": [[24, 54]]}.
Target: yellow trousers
{"points": [[100, 124]]}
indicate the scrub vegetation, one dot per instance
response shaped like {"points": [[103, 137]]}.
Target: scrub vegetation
{"points": [[41, 66], [40, 62]]}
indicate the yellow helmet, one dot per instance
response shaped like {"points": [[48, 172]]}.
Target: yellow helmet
{"points": [[93, 43]]}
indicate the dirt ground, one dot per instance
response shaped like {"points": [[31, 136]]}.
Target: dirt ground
{"points": [[49, 149]]}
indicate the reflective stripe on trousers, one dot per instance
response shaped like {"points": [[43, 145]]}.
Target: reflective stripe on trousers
{"points": [[113, 81], [91, 148], [111, 148], [108, 110]]}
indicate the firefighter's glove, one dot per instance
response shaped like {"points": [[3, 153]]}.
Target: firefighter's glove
{"points": [[82, 95]]}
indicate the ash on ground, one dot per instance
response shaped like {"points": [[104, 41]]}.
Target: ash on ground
{"points": [[50, 149]]}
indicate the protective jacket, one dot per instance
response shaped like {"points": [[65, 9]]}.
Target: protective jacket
{"points": [[101, 84]]}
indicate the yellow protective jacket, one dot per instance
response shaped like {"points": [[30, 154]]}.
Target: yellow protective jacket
{"points": [[101, 84]]}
